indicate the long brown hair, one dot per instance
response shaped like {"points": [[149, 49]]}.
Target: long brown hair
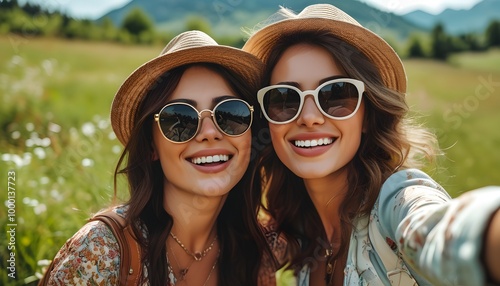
{"points": [[391, 141], [242, 243]]}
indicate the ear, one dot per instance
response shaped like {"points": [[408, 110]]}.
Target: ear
{"points": [[154, 153], [154, 156]]}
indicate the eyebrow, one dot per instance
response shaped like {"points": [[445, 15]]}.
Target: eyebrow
{"points": [[195, 103], [331, 78], [321, 81]]}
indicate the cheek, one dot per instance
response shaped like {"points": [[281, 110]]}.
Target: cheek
{"points": [[278, 133], [352, 131], [243, 145], [168, 157], [164, 150]]}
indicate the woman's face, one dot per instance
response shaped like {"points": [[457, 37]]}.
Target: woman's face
{"points": [[306, 66], [203, 88]]}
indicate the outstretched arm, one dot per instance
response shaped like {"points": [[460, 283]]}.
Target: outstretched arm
{"points": [[446, 241]]}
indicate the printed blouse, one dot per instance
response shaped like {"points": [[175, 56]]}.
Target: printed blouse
{"points": [[439, 238], [92, 257]]}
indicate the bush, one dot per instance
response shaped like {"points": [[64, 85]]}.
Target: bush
{"points": [[415, 49], [493, 34], [440, 43], [137, 22]]}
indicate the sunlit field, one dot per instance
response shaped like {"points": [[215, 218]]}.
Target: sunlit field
{"points": [[58, 151], [460, 102]]}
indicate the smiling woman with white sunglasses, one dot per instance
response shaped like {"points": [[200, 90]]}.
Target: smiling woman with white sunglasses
{"points": [[342, 177]]}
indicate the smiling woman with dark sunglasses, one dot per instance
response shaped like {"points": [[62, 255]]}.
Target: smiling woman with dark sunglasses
{"points": [[186, 121], [341, 175]]}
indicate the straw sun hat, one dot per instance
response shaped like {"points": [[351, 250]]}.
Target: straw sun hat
{"points": [[186, 48], [325, 17]]}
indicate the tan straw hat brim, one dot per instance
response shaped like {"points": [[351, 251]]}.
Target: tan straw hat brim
{"points": [[138, 84], [334, 21]]}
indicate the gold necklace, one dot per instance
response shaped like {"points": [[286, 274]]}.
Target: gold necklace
{"points": [[330, 268], [182, 271], [197, 255], [213, 267]]}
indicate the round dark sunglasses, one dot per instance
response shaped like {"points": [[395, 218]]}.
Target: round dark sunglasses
{"points": [[180, 122], [337, 99]]}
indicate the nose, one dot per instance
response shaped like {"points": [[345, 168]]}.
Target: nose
{"points": [[207, 130], [310, 115]]}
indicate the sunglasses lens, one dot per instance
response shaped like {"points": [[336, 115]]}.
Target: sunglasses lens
{"points": [[281, 103], [338, 99], [178, 122], [233, 117]]}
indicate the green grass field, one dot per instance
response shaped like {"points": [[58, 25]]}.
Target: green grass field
{"points": [[58, 145]]}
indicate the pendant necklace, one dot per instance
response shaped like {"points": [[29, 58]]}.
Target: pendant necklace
{"points": [[182, 271], [330, 267], [197, 255]]}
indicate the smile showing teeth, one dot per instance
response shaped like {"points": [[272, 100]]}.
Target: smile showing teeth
{"points": [[210, 159], [313, 143]]}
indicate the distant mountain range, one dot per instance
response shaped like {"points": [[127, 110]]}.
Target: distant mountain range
{"points": [[457, 22], [227, 17]]}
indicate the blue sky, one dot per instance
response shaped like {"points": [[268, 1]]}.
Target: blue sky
{"points": [[95, 8]]}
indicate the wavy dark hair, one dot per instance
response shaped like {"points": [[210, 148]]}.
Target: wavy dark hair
{"points": [[391, 141], [241, 240]]}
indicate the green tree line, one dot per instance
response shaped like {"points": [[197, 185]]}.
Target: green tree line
{"points": [[441, 45], [31, 20]]}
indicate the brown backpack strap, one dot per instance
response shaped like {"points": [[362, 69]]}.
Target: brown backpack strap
{"points": [[130, 254]]}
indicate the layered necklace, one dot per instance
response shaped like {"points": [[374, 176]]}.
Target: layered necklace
{"points": [[330, 265], [196, 256]]}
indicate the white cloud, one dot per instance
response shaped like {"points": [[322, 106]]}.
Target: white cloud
{"points": [[430, 6], [91, 9]]}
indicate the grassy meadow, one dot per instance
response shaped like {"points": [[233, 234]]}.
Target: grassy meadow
{"points": [[57, 146]]}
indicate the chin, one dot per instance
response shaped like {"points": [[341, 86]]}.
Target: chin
{"points": [[315, 170], [312, 175], [217, 186]]}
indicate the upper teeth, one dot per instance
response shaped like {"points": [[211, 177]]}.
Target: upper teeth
{"points": [[314, 142], [209, 159]]}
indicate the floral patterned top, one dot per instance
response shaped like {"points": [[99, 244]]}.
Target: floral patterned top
{"points": [[440, 238], [92, 257]]}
